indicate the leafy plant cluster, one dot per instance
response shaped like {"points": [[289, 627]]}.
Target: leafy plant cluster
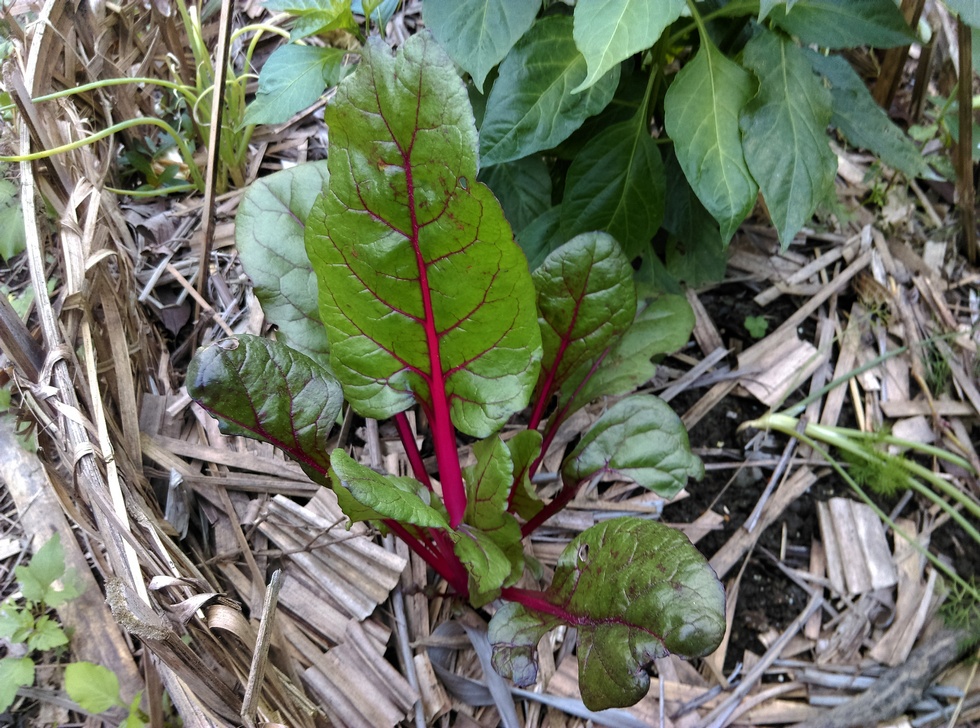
{"points": [[46, 584], [394, 279]]}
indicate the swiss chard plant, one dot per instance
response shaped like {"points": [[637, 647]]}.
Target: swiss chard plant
{"points": [[395, 281]]}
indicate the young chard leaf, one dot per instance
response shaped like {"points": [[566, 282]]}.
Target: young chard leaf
{"points": [[487, 565], [586, 300], [264, 389], [636, 590], [269, 230], [784, 133], [639, 438], [365, 495], [701, 115], [532, 105], [524, 448]]}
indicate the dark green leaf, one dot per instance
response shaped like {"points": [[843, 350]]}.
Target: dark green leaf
{"points": [[968, 10], [616, 184], [532, 106], [639, 438], [541, 237], [586, 300], [845, 23], [15, 673], [862, 122], [94, 687], [479, 33], [270, 392], [377, 496], [636, 590], [784, 133], [292, 79], [701, 115], [269, 230], [315, 16], [423, 292], [523, 188], [610, 31]]}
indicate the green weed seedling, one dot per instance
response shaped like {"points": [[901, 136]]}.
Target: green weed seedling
{"points": [[396, 283], [46, 584]]}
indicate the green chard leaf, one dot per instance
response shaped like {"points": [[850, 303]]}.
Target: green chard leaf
{"points": [[636, 590], [293, 78], [487, 565], [269, 230], [423, 292], [701, 115], [862, 122], [844, 23], [365, 495], [479, 33], [265, 390], [315, 16], [617, 184], [523, 188], [586, 301], [784, 133], [532, 105], [662, 327], [641, 439], [610, 31], [488, 485], [524, 448]]}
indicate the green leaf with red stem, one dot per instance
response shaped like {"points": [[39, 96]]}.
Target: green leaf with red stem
{"points": [[423, 292], [266, 390], [525, 447], [639, 438], [636, 590], [586, 300]]}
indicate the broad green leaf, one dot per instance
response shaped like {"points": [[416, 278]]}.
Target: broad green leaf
{"points": [[479, 33], [523, 188], [862, 122], [315, 16], [47, 635], [424, 294], [266, 390], [695, 251], [636, 590], [94, 687], [293, 78], [766, 7], [701, 115], [524, 448], [662, 327], [610, 31], [15, 673], [616, 184], [541, 237], [641, 439], [784, 133], [379, 10], [488, 567], [968, 10], [586, 300], [269, 230], [845, 23], [16, 623], [532, 105], [37, 579], [488, 485], [382, 496]]}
